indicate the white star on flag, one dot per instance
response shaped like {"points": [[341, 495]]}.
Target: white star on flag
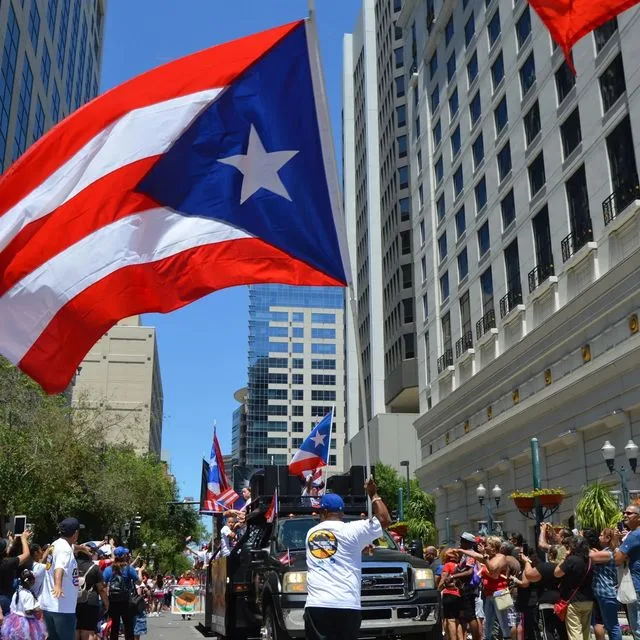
{"points": [[318, 439], [260, 168]]}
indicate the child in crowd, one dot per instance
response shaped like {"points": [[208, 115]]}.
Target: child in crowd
{"points": [[24, 623]]}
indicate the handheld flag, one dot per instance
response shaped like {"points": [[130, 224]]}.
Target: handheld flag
{"points": [[286, 559], [314, 451], [217, 483], [569, 21], [211, 171], [272, 511], [227, 498]]}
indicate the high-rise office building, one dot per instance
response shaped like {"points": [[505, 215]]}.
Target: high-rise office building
{"points": [[120, 379], [51, 55], [377, 201], [526, 222], [239, 429], [296, 370]]}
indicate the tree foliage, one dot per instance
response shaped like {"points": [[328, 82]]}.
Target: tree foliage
{"points": [[419, 511], [55, 463]]}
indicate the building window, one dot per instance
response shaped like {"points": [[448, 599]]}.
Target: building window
{"points": [[399, 57], [532, 123], [297, 378], [579, 214], [537, 177], [278, 332], [425, 306], [448, 32], [38, 128], [297, 363], [484, 243], [451, 66], [323, 395], [461, 223], [333, 461], [278, 378], [497, 71], [603, 34], [481, 195], [326, 333], [458, 182], [278, 363], [500, 115], [416, 128], [407, 280], [277, 394], [486, 286], [319, 411], [7, 78], [463, 265], [523, 27], [419, 161], [405, 212], [401, 115], [508, 209], [62, 33], [407, 310], [439, 170], [297, 410], [455, 142], [24, 109], [544, 252], [420, 203], [297, 427], [277, 410], [435, 99], [612, 83], [512, 268], [469, 30], [504, 161], [423, 233], [323, 348], [472, 68], [442, 247], [565, 81], [478, 151], [323, 379], [493, 28], [405, 245], [440, 208], [423, 268], [52, 8], [622, 164], [34, 25], [399, 86], [323, 318], [475, 110], [433, 65], [571, 133], [403, 177], [437, 134], [444, 287], [45, 67], [453, 104], [323, 364], [402, 146], [527, 75], [409, 346]]}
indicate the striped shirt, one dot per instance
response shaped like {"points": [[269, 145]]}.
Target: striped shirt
{"points": [[605, 579]]}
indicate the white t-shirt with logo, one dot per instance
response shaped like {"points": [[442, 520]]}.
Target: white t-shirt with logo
{"points": [[60, 556], [334, 561], [225, 543], [23, 601]]}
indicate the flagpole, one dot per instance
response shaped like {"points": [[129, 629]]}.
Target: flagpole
{"points": [[312, 9]]}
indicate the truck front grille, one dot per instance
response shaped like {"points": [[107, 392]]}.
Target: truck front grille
{"points": [[384, 583]]}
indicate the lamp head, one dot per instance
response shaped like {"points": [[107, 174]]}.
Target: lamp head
{"points": [[496, 492], [481, 492], [631, 451], [609, 454]]}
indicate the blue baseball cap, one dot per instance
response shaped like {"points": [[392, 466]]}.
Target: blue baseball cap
{"points": [[332, 502], [120, 552]]}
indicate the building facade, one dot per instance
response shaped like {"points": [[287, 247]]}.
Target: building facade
{"points": [[239, 429], [120, 379], [296, 370], [377, 204], [51, 56], [526, 202]]}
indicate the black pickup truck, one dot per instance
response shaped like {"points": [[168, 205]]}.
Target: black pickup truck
{"points": [[260, 589]]}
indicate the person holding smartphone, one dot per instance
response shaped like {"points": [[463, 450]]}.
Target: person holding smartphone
{"points": [[9, 569]]}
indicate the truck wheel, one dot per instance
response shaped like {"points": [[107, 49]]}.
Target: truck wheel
{"points": [[271, 628]]}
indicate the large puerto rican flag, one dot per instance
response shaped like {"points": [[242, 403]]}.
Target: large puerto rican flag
{"points": [[314, 451], [212, 171], [219, 490]]}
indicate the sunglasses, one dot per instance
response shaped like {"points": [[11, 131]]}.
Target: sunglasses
{"points": [[630, 513]]}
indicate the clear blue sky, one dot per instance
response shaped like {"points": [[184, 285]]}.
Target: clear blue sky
{"points": [[203, 347]]}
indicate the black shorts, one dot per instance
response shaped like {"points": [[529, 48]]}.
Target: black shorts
{"points": [[468, 607], [324, 623], [87, 617], [451, 606], [596, 614]]}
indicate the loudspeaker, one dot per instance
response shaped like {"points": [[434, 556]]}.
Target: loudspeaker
{"points": [[340, 485], [358, 476]]}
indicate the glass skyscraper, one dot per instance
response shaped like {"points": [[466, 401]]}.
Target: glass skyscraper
{"points": [[50, 58], [296, 370]]}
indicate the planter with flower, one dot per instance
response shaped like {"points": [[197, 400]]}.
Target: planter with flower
{"points": [[548, 499]]}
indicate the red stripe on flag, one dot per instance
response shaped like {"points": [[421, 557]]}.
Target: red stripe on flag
{"points": [[102, 202], [162, 286], [214, 67]]}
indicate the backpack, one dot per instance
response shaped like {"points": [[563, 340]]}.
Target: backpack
{"points": [[119, 588], [84, 590]]}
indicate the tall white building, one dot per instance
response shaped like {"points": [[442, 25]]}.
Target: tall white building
{"points": [[526, 226], [378, 217]]}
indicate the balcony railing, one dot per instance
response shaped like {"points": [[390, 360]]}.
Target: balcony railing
{"points": [[510, 301], [538, 275], [488, 321], [445, 360], [618, 201], [575, 241], [464, 344]]}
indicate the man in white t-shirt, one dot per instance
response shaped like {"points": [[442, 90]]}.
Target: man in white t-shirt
{"points": [[60, 589], [334, 565], [227, 536]]}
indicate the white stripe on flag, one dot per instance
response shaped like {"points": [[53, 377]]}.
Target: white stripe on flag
{"points": [[27, 309], [141, 133]]}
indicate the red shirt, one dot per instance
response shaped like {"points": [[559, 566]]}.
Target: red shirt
{"points": [[450, 568], [490, 584]]}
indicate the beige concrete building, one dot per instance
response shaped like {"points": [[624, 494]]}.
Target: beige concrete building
{"points": [[120, 377]]}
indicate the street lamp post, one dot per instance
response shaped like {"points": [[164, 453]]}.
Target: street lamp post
{"points": [[405, 463], [631, 453], [496, 494]]}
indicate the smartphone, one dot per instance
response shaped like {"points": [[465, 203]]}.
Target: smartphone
{"points": [[19, 525]]}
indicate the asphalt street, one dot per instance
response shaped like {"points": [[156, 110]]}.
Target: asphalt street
{"points": [[172, 627]]}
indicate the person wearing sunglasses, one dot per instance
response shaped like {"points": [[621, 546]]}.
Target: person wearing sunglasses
{"points": [[629, 552]]}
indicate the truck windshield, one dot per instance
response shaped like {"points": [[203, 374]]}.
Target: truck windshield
{"points": [[292, 534]]}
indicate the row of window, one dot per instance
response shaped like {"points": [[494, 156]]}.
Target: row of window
{"points": [[298, 363], [321, 395], [298, 332], [298, 378], [298, 347]]}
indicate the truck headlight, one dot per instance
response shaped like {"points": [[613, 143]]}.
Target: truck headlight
{"points": [[423, 579], [294, 582]]}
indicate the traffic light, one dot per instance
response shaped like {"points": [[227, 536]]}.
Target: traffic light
{"points": [[137, 521]]}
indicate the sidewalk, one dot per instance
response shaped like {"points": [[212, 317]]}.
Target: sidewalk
{"points": [[172, 627]]}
